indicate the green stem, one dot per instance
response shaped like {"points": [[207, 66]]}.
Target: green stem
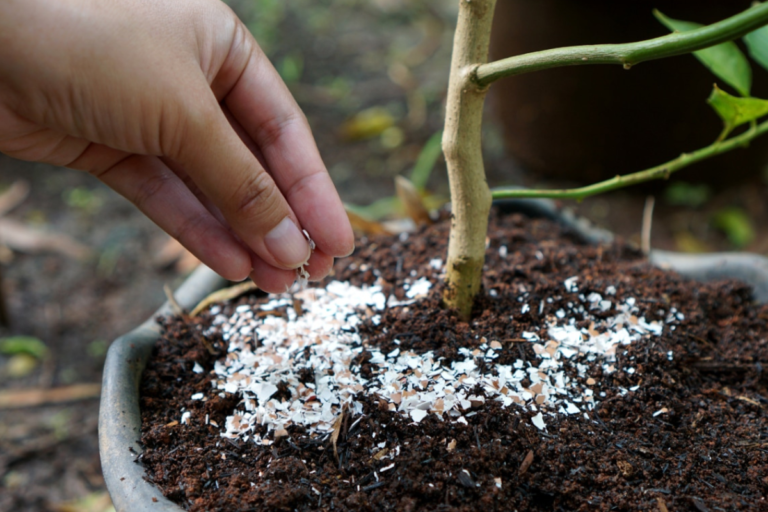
{"points": [[627, 54], [654, 173]]}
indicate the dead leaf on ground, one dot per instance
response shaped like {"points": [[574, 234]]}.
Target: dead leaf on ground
{"points": [[625, 468], [526, 463], [171, 298], [224, 295], [688, 242], [336, 432], [368, 227], [13, 196], [367, 124], [98, 501], [412, 201], [19, 366], [24, 238], [749, 400], [19, 398], [380, 454]]}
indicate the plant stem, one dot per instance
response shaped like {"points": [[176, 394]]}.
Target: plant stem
{"points": [[627, 54], [470, 195], [654, 173]]}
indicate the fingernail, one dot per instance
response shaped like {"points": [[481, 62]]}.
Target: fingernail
{"points": [[287, 244]]}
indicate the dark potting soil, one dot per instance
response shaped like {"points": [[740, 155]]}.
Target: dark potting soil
{"points": [[691, 434]]}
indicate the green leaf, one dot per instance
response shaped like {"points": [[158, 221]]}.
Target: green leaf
{"points": [[725, 60], [688, 242], [736, 225], [20, 365], [427, 159], [291, 68], [84, 199], [29, 345], [736, 111], [379, 209], [757, 44], [97, 349], [367, 124], [676, 25], [681, 193]]}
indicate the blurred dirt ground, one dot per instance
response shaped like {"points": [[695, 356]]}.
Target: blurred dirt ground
{"points": [[371, 77]]}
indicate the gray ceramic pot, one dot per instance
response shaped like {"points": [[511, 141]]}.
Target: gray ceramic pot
{"points": [[119, 416]]}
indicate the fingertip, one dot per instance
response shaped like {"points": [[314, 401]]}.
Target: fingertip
{"points": [[348, 245], [232, 273], [275, 280], [269, 278], [332, 232], [343, 239], [319, 265]]}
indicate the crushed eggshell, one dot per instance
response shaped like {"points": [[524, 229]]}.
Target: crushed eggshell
{"points": [[271, 344]]}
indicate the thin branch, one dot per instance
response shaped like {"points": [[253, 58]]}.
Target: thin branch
{"points": [[627, 54], [16, 398], [654, 173], [645, 232]]}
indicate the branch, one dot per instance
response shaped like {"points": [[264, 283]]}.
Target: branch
{"points": [[627, 54], [654, 173]]}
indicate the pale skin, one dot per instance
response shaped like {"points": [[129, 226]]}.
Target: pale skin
{"points": [[173, 104]]}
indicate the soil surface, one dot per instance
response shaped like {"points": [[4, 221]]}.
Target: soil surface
{"points": [[680, 424]]}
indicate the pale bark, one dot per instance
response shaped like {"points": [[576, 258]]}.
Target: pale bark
{"points": [[470, 195]]}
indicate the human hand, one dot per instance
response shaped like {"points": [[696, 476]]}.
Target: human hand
{"points": [[173, 105]]}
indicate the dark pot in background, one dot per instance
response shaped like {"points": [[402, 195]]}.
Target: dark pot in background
{"points": [[587, 123]]}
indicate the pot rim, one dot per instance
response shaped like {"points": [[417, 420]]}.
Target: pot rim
{"points": [[119, 415]]}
